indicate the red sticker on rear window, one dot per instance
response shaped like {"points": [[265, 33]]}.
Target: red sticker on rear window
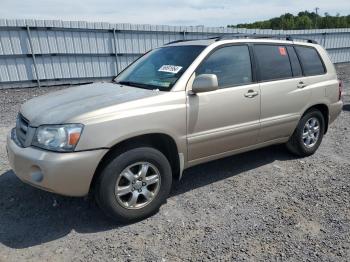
{"points": [[282, 50]]}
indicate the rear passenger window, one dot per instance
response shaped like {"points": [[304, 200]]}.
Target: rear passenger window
{"points": [[231, 65], [294, 61], [310, 61], [273, 62]]}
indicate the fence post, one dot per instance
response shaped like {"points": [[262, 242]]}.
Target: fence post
{"points": [[115, 50], [33, 56], [324, 39]]}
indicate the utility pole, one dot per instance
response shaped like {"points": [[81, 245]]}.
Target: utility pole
{"points": [[316, 9]]}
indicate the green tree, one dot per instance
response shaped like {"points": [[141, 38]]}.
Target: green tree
{"points": [[304, 20]]}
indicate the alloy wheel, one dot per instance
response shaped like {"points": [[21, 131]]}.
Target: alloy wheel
{"points": [[311, 132], [137, 185]]}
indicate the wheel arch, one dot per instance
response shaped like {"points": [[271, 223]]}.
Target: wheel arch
{"points": [[160, 141], [323, 108]]}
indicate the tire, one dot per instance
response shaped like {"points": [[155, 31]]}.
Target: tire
{"points": [[115, 200], [297, 144]]}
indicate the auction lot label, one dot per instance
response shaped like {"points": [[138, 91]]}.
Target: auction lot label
{"points": [[170, 69]]}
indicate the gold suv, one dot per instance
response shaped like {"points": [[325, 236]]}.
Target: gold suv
{"points": [[177, 106]]}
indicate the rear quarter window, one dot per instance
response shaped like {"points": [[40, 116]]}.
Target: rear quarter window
{"points": [[310, 61], [273, 62]]}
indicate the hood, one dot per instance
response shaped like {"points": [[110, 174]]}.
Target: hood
{"points": [[61, 106]]}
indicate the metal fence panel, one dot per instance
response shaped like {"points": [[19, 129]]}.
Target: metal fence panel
{"points": [[49, 52]]}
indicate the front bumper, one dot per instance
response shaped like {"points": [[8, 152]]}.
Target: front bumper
{"points": [[62, 173]]}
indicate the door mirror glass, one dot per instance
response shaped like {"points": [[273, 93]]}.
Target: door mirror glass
{"points": [[205, 83]]}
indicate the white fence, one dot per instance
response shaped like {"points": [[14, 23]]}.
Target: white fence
{"points": [[49, 52]]}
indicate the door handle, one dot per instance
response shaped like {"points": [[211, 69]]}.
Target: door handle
{"points": [[301, 84], [251, 93]]}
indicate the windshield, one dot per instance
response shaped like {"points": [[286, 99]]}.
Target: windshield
{"points": [[159, 68]]}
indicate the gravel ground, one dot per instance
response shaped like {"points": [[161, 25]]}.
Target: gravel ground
{"points": [[262, 205]]}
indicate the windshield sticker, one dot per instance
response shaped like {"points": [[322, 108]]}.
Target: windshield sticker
{"points": [[170, 69], [282, 51]]}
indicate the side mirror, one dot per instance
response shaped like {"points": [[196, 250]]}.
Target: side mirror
{"points": [[205, 83]]}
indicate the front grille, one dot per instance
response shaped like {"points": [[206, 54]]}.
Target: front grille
{"points": [[22, 125]]}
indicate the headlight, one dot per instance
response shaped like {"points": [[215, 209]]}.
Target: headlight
{"points": [[61, 138]]}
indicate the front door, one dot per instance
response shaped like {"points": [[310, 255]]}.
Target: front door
{"points": [[227, 119]]}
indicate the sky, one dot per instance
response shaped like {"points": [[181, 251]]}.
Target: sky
{"points": [[176, 12]]}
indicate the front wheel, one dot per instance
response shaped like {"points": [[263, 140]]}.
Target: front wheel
{"points": [[308, 135], [134, 184]]}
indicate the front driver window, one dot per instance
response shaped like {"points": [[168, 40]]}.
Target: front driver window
{"points": [[231, 65]]}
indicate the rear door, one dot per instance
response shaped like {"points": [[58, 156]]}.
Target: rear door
{"points": [[283, 91]]}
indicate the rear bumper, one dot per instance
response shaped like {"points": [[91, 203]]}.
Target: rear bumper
{"points": [[334, 110], [62, 173]]}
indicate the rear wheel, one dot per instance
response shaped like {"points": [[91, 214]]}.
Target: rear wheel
{"points": [[308, 135], [134, 184]]}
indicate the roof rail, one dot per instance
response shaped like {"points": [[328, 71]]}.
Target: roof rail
{"points": [[181, 40], [247, 36], [263, 36]]}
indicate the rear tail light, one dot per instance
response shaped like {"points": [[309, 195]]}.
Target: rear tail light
{"points": [[340, 89]]}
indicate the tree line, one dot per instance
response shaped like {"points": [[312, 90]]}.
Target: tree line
{"points": [[304, 20]]}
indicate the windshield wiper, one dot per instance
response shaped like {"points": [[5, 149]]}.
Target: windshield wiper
{"points": [[135, 84], [126, 83]]}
